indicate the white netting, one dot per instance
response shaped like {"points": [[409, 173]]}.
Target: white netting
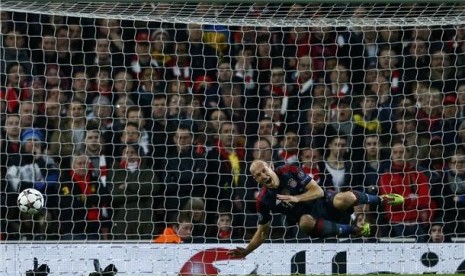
{"points": [[135, 119], [258, 14]]}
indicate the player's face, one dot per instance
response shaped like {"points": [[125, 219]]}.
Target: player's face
{"points": [[263, 174]]}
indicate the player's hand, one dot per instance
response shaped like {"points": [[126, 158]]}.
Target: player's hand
{"points": [[288, 198], [238, 252]]}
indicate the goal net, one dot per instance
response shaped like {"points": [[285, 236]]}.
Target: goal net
{"points": [[138, 123]]}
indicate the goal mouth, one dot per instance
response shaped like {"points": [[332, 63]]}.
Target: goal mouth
{"points": [[139, 122]]}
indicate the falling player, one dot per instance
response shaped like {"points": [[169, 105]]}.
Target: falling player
{"points": [[288, 190]]}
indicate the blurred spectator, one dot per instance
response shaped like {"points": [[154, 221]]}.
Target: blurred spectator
{"points": [[435, 163], [216, 118], [97, 151], [389, 67], [123, 86], [449, 192], [277, 85], [341, 117], [385, 102], [65, 58], [31, 168], [273, 110], [160, 129], [317, 131], [111, 30], [178, 231], [323, 47], [365, 121], [101, 114], [461, 136], [135, 188], [406, 105], [176, 107], [162, 53], [177, 86], [338, 169], [266, 132], [226, 170], [150, 86], [134, 115], [84, 203], [268, 57], [184, 172], [449, 123], [311, 163], [436, 233], [231, 101], [374, 163], [217, 35], [27, 114], [81, 86], [6, 22], [304, 80], [103, 83], [16, 88], [224, 226], [195, 113], [429, 102], [417, 143], [391, 37], [203, 57], [141, 58], [411, 218], [10, 142], [52, 118], [120, 111], [69, 137], [442, 73], [45, 54], [104, 55], [131, 135], [289, 151], [55, 93], [195, 209], [244, 70], [461, 100], [181, 69], [14, 50], [417, 60], [76, 44], [339, 81], [296, 45], [262, 150]]}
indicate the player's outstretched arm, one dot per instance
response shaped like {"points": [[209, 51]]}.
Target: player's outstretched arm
{"points": [[313, 191], [258, 238]]}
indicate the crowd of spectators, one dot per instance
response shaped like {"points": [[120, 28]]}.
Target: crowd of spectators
{"points": [[135, 129]]}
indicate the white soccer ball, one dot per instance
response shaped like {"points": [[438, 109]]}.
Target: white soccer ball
{"points": [[30, 201]]}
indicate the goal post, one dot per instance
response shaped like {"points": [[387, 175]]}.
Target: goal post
{"points": [[138, 122]]}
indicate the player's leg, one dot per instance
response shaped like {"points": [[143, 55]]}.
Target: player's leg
{"points": [[345, 200], [321, 228]]}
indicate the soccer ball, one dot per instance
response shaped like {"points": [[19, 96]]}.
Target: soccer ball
{"points": [[30, 201]]}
